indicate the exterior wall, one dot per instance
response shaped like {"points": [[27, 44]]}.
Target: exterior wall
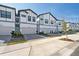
{"points": [[6, 28], [74, 26], [27, 27], [7, 25], [30, 13], [10, 10], [47, 16], [47, 28], [59, 25], [23, 19]]}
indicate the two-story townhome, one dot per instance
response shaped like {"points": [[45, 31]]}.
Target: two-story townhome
{"points": [[7, 19], [27, 21], [73, 26], [47, 23]]}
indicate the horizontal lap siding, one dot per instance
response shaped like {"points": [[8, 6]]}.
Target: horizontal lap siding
{"points": [[7, 25], [47, 29], [6, 28], [28, 28]]}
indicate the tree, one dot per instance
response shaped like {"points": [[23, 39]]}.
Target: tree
{"points": [[65, 27]]}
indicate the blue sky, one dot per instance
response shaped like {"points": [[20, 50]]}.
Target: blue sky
{"points": [[68, 11]]}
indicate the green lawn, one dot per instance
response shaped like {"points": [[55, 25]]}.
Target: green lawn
{"points": [[16, 42]]}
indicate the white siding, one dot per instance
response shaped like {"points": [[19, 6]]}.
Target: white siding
{"points": [[6, 28], [30, 13], [47, 28], [29, 27], [23, 19], [12, 14]]}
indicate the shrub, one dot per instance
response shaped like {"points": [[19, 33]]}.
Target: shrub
{"points": [[41, 33], [16, 34]]}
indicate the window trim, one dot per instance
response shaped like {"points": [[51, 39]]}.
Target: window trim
{"points": [[4, 14], [28, 18], [34, 19], [22, 15], [46, 21]]}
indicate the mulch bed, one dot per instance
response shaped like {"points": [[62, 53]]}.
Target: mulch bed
{"points": [[65, 39]]}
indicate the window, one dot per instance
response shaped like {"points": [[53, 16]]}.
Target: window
{"points": [[23, 15], [8, 15], [16, 25], [46, 21], [51, 22], [0, 13], [33, 19], [41, 18], [17, 20], [29, 18], [3, 14], [59, 23]]}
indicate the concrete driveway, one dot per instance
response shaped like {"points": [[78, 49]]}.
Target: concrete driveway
{"points": [[41, 47]]}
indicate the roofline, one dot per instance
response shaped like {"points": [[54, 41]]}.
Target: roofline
{"points": [[20, 11], [8, 7], [48, 13], [27, 10]]}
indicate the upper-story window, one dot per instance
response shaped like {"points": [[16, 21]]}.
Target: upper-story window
{"points": [[51, 22], [59, 23], [0, 13], [41, 18], [5, 14], [23, 15], [29, 18], [46, 21], [33, 19], [8, 14]]}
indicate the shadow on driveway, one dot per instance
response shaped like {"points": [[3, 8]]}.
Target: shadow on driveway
{"points": [[33, 36], [76, 52]]}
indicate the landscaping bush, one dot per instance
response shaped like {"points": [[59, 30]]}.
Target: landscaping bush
{"points": [[41, 33], [16, 34], [60, 31]]}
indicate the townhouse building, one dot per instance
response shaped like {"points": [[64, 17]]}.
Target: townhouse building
{"points": [[47, 23], [73, 26], [28, 22], [7, 19]]}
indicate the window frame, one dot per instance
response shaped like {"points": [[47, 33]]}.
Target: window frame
{"points": [[28, 18], [8, 15], [3, 14], [46, 21], [41, 19], [23, 15], [34, 19]]}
